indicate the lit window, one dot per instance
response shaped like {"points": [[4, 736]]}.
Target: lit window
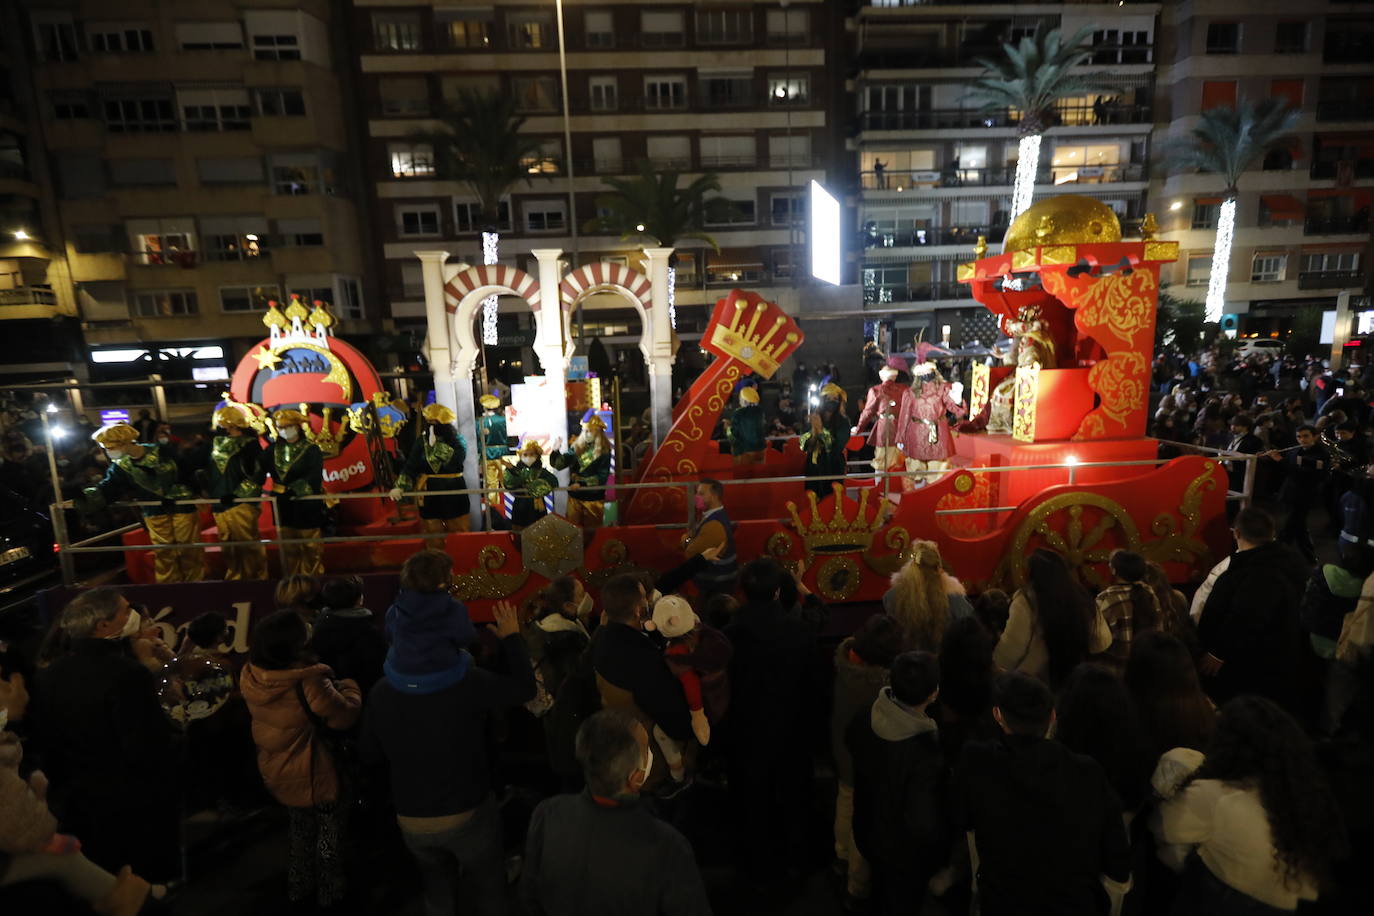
{"points": [[165, 303], [411, 160]]}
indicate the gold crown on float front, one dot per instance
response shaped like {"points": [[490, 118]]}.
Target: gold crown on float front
{"points": [[298, 324], [327, 439], [758, 334], [837, 534]]}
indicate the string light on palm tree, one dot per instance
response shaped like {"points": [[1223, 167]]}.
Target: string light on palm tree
{"points": [[490, 243], [1031, 78], [1228, 141]]}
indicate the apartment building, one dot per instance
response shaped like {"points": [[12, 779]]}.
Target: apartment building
{"points": [[936, 173], [744, 90], [1302, 221], [199, 168]]}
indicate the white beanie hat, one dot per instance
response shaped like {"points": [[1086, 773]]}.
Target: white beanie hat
{"points": [[673, 616]]}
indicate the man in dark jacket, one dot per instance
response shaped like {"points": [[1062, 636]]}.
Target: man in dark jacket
{"points": [[774, 689], [630, 670], [900, 822], [109, 750], [347, 636], [601, 851], [1244, 441], [1248, 630], [440, 775], [1307, 469], [1046, 823]]}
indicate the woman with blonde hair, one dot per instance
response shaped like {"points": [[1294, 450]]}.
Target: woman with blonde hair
{"points": [[924, 598]]}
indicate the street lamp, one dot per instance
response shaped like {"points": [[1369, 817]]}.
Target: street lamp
{"points": [[21, 236]]}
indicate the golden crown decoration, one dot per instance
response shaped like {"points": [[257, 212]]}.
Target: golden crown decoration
{"points": [[837, 534], [297, 324], [754, 331], [327, 439]]}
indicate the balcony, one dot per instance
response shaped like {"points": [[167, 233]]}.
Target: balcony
{"points": [[923, 292], [1346, 110], [1003, 177], [1331, 279], [1338, 225], [972, 118], [1356, 168], [27, 296], [941, 235]]}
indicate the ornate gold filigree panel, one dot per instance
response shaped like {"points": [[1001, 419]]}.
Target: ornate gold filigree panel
{"points": [[483, 583], [898, 540], [838, 579], [1027, 392], [1082, 547], [980, 390]]}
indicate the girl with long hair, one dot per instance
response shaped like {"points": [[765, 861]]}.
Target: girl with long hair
{"points": [[1163, 681], [1053, 625], [1095, 717], [1128, 606], [1264, 827], [924, 598]]}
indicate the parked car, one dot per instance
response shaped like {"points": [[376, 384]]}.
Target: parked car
{"points": [[1259, 346]]}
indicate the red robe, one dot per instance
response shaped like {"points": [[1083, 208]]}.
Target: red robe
{"points": [[929, 438], [887, 398]]}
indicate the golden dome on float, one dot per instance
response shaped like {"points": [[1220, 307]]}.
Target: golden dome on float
{"points": [[1070, 219]]}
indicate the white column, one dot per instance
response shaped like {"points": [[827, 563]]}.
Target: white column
{"points": [[659, 359], [436, 325], [552, 345]]}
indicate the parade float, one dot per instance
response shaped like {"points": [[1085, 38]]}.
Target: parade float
{"points": [[1072, 469]]}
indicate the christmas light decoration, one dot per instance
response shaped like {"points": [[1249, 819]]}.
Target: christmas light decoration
{"points": [[672, 296], [1027, 164], [490, 240]]}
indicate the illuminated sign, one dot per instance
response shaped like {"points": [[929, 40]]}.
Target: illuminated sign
{"points": [[111, 417]]}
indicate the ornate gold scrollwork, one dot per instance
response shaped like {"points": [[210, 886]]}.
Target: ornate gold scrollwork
{"points": [[481, 582], [1080, 549]]}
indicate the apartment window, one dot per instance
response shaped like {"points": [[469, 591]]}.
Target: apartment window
{"points": [[412, 281], [165, 303], [670, 152], [102, 239], [349, 301], [727, 151], [661, 29], [276, 47], [1290, 37], [600, 29], [411, 160], [467, 217], [464, 29], [248, 298], [215, 109], [1113, 46], [1199, 269], [739, 213], [665, 92], [789, 89], [306, 232], [547, 161], [536, 93], [787, 209], [296, 173], [1092, 164], [725, 27], [531, 31], [606, 155], [163, 241], [54, 36], [140, 114], [1330, 262], [1268, 268], [788, 27], [545, 215], [142, 172], [70, 106], [412, 220], [727, 90], [404, 95], [233, 238], [788, 151], [1218, 94], [279, 103], [396, 31], [1223, 37], [112, 38], [1206, 213], [231, 170], [209, 36], [604, 93]]}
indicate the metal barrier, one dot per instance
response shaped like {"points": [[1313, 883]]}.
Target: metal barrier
{"points": [[66, 551]]}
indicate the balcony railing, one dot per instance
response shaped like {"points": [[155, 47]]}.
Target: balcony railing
{"points": [[948, 118], [27, 296], [1339, 225], [1346, 110], [882, 49], [1358, 168], [940, 235], [1330, 279], [889, 180], [923, 292]]}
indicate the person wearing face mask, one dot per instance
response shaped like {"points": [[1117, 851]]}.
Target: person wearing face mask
{"points": [[713, 529], [297, 468], [590, 460], [601, 851], [495, 445], [139, 471], [531, 482], [555, 631], [235, 472], [436, 463], [110, 752], [745, 428]]}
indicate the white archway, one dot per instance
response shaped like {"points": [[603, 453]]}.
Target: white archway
{"points": [[464, 294]]}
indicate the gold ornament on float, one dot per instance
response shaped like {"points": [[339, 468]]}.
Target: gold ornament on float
{"points": [[1065, 220]]}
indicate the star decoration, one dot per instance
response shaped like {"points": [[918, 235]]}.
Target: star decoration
{"points": [[551, 547], [267, 359]]}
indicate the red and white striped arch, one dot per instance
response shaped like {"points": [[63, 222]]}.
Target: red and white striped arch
{"points": [[600, 276], [489, 279]]}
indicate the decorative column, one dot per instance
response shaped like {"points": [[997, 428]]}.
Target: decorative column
{"points": [[659, 359], [551, 345], [436, 326]]}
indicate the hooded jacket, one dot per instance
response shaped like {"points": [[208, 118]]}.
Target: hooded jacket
{"points": [[349, 641], [428, 631], [856, 687], [295, 769], [1332, 592], [900, 818]]}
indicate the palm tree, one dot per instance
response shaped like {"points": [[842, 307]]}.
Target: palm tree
{"points": [[478, 142], [1228, 141], [651, 205], [1031, 78]]}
